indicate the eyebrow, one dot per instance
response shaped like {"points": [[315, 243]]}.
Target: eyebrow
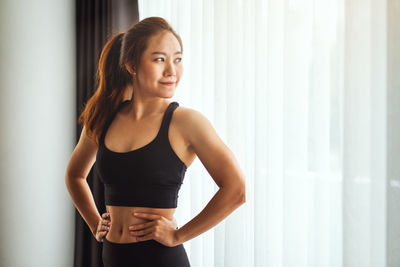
{"points": [[162, 53]]}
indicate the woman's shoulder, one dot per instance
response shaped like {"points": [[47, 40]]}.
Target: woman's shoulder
{"points": [[186, 114], [190, 120]]}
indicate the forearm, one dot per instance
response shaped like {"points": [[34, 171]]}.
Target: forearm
{"points": [[83, 199], [223, 203]]}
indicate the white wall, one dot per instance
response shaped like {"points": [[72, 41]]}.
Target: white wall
{"points": [[393, 134], [37, 122]]}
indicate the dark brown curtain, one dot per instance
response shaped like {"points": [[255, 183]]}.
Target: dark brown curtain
{"points": [[96, 21]]}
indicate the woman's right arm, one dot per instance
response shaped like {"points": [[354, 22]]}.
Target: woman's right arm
{"points": [[79, 165]]}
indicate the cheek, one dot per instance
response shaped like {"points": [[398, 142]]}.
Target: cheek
{"points": [[150, 69], [151, 72], [179, 70]]}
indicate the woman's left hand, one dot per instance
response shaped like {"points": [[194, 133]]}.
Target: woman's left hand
{"points": [[159, 228]]}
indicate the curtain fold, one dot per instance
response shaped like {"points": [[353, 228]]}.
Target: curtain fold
{"points": [[297, 89], [93, 24], [96, 21]]}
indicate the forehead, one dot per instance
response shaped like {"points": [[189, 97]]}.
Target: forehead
{"points": [[163, 42]]}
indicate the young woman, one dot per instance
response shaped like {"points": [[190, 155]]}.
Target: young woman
{"points": [[142, 147]]}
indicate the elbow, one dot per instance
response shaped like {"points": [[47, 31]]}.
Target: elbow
{"points": [[242, 198], [236, 191], [241, 193], [241, 190], [70, 181], [67, 182]]}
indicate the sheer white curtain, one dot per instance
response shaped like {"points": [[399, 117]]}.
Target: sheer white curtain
{"points": [[297, 89]]}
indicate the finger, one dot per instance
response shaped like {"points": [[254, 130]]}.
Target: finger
{"points": [[102, 232], [104, 228], [144, 238], [147, 215], [141, 232], [105, 215], [105, 222], [142, 225]]}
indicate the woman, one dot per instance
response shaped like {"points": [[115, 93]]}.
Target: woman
{"points": [[142, 147]]}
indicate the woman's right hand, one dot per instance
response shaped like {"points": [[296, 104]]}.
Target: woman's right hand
{"points": [[103, 227]]}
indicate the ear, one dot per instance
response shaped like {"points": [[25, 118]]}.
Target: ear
{"points": [[130, 69]]}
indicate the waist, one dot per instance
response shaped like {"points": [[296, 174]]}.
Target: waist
{"points": [[122, 217]]}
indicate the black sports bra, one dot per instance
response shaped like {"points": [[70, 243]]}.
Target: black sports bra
{"points": [[150, 176]]}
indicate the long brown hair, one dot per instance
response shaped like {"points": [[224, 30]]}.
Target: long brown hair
{"points": [[113, 77]]}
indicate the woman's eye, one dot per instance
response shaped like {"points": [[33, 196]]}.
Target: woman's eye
{"points": [[157, 59]]}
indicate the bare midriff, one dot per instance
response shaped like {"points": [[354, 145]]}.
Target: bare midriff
{"points": [[122, 217]]}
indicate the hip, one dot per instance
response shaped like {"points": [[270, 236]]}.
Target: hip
{"points": [[144, 253]]}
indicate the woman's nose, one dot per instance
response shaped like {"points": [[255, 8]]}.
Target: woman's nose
{"points": [[170, 69]]}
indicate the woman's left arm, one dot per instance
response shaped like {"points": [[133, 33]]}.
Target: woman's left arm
{"points": [[223, 167]]}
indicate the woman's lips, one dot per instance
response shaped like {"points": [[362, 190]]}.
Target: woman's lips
{"points": [[169, 83]]}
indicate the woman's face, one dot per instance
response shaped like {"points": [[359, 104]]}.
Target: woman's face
{"points": [[160, 63]]}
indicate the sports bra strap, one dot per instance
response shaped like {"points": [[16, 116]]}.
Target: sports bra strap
{"points": [[163, 131], [163, 134]]}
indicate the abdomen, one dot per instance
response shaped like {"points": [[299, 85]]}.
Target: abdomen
{"points": [[122, 217]]}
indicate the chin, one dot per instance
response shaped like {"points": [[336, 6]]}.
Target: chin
{"points": [[166, 95]]}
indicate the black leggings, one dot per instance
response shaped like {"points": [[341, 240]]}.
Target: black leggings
{"points": [[147, 253]]}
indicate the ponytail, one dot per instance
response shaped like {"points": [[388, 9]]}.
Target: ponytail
{"points": [[112, 79]]}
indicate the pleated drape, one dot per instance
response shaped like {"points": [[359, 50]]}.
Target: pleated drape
{"points": [[96, 21]]}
